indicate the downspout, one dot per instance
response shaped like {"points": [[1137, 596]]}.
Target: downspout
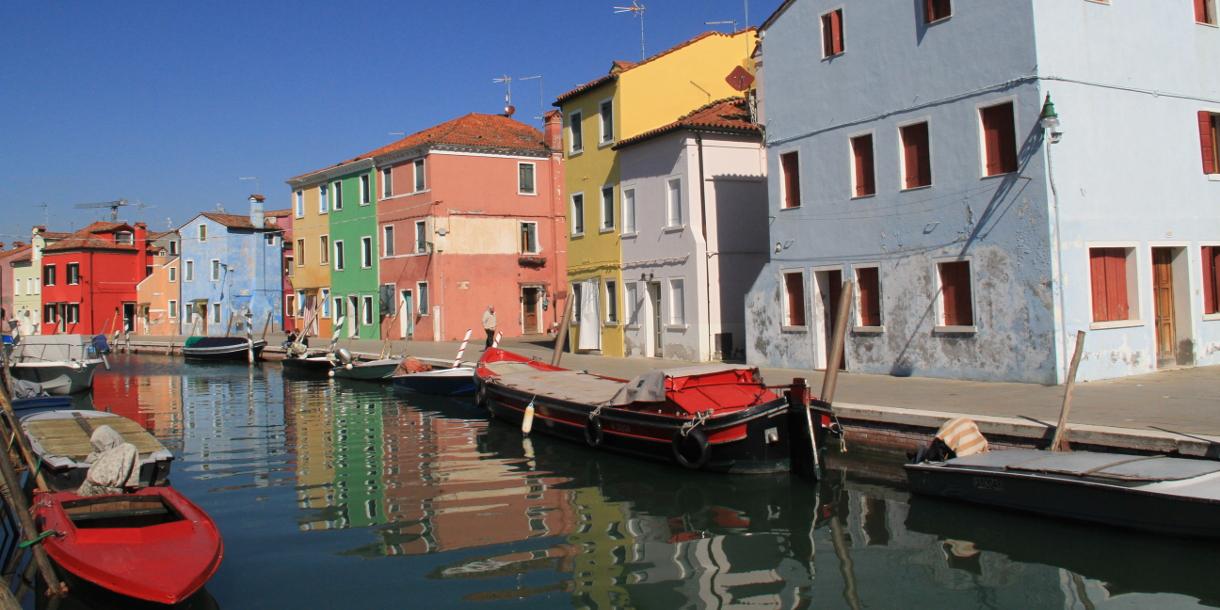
{"points": [[707, 255], [1050, 174]]}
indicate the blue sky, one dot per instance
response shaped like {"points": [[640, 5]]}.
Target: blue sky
{"points": [[169, 103]]}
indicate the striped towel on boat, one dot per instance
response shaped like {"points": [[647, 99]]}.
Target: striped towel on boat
{"points": [[962, 435]]}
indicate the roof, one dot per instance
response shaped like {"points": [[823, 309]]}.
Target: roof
{"points": [[232, 221], [728, 115], [55, 234], [278, 213], [618, 67], [82, 240], [783, 6], [19, 253], [102, 226]]}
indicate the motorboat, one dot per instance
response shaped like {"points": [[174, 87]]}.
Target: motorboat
{"points": [[440, 380], [60, 364], [368, 370], [222, 348]]}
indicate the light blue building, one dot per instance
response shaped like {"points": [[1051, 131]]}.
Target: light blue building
{"points": [[231, 269], [911, 148]]}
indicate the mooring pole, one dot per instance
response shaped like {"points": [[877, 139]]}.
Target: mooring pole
{"points": [[557, 352], [1059, 441], [830, 381]]}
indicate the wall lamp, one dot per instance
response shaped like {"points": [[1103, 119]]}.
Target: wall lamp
{"points": [[1049, 119]]}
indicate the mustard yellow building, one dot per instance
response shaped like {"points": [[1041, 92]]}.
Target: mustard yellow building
{"points": [[631, 99], [312, 250]]}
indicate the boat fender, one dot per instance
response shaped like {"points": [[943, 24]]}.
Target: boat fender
{"points": [[691, 450], [527, 421], [480, 396], [593, 432]]}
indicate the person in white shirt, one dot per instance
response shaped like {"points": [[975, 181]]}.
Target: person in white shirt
{"points": [[489, 324]]}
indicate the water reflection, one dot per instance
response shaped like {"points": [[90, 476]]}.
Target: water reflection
{"points": [[329, 491]]}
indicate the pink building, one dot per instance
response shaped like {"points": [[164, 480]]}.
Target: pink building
{"points": [[282, 219], [471, 214]]}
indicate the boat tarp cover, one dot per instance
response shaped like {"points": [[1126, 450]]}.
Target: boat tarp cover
{"points": [[205, 342], [572, 386], [51, 348], [1090, 464], [650, 386]]}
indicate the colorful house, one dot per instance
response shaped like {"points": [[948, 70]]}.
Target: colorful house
{"points": [[312, 247], [159, 294], [353, 237], [470, 214], [690, 254], [282, 220], [89, 279], [632, 99], [26, 267], [231, 273]]}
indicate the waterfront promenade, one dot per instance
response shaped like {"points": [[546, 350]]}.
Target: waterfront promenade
{"points": [[899, 412]]}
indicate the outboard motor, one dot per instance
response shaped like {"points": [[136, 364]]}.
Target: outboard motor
{"points": [[100, 345], [343, 355]]}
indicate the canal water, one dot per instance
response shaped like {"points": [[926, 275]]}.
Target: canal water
{"points": [[346, 495]]}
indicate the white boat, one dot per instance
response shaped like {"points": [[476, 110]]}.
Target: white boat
{"points": [[60, 439], [368, 370], [61, 364]]}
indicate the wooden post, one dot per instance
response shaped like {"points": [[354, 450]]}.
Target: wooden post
{"points": [[229, 326], [1059, 442], [557, 353], [267, 324], [836, 346]]}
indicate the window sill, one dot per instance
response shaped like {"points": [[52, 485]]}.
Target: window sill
{"points": [[867, 330], [605, 230], [631, 235], [1206, 24], [605, 144], [868, 196], [955, 330], [576, 235], [944, 19], [365, 204], [793, 329], [677, 229], [1213, 177], [1211, 317], [1116, 324], [999, 175], [610, 324], [915, 188], [833, 56], [785, 208], [525, 194], [575, 153], [676, 328]]}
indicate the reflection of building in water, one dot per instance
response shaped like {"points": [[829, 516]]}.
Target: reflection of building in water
{"points": [[308, 407], [120, 394], [234, 431], [161, 402], [358, 436]]}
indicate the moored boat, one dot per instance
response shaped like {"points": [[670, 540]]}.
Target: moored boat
{"points": [[370, 370], [61, 440], [222, 348], [153, 544], [317, 366], [440, 381], [60, 364], [714, 417]]}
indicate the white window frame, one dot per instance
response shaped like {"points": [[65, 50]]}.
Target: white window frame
{"points": [[336, 195], [902, 160], [172, 308], [323, 198], [534, 175], [577, 217], [610, 303], [68, 280], [366, 189], [677, 315], [940, 326], [603, 138], [419, 176], [574, 125], [300, 303], [671, 206], [982, 136], [421, 237], [337, 257], [1134, 265], [325, 247], [188, 271], [216, 313], [629, 228], [607, 220], [173, 274], [851, 161], [366, 252], [366, 310], [72, 313], [842, 31], [214, 270], [387, 240], [1211, 8], [785, 309], [422, 298], [631, 297], [537, 245], [387, 182], [300, 204], [859, 327]]}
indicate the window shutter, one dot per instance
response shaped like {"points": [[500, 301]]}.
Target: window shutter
{"points": [[870, 297], [1116, 283], [916, 155], [1211, 279], [836, 29], [792, 180], [1201, 11], [794, 285], [1207, 142], [862, 151], [1097, 279]]}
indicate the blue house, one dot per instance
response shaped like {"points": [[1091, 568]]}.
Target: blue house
{"points": [[231, 272]]}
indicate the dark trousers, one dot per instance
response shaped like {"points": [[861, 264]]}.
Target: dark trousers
{"points": [[491, 334]]}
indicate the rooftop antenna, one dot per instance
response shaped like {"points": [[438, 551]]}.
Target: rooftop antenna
{"points": [[507, 81], [46, 218], [541, 98], [258, 185], [169, 223], [113, 205], [732, 22], [636, 9], [747, 3]]}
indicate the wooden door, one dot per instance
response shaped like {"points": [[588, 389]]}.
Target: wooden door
{"points": [[834, 288], [654, 301], [1162, 294], [529, 309]]}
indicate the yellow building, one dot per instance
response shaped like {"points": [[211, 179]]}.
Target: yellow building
{"points": [[27, 280], [631, 99], [311, 254]]}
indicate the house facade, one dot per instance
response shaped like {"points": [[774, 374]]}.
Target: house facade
{"points": [[282, 220], [631, 99], [89, 279], [230, 273], [26, 273], [693, 231], [158, 296], [983, 224], [311, 252], [353, 236]]}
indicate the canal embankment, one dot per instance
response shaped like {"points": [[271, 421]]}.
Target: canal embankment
{"points": [[1169, 412]]}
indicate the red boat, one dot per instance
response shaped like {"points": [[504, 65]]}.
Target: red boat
{"points": [[153, 544], [714, 417]]}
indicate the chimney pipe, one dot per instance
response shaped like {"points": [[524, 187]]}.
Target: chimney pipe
{"points": [[256, 210], [552, 130]]}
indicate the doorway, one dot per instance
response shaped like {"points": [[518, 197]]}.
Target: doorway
{"points": [[829, 289], [653, 346], [129, 317], [201, 311], [406, 315], [531, 297], [353, 312], [1170, 299]]}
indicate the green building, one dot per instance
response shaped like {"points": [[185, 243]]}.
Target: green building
{"points": [[353, 238]]}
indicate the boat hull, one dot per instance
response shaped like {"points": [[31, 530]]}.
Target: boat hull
{"points": [[58, 379], [312, 367], [237, 349], [446, 382], [367, 371], [153, 544]]}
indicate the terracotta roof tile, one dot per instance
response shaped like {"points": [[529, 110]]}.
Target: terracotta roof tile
{"points": [[84, 241], [233, 221], [278, 213], [725, 115]]}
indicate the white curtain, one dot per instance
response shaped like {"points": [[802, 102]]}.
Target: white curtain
{"points": [[590, 317]]}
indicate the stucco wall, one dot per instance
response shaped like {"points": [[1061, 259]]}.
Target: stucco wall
{"points": [[249, 277]]}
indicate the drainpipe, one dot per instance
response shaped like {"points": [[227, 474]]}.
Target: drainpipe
{"points": [[1050, 174], [707, 255]]}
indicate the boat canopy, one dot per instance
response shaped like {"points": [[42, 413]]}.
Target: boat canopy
{"points": [[652, 385]]}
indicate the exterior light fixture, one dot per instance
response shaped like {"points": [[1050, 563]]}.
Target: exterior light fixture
{"points": [[1049, 119]]}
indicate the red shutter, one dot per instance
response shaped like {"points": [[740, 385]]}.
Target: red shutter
{"points": [[916, 156], [999, 140], [870, 296], [955, 290], [1097, 279], [836, 21], [1211, 279], [792, 180], [1201, 15], [794, 285], [1116, 283], [862, 151], [1207, 142], [828, 45]]}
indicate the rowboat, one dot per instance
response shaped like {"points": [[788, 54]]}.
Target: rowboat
{"points": [[453, 381], [715, 417], [153, 544], [60, 439], [60, 364], [1156, 493], [222, 348], [308, 366], [371, 370]]}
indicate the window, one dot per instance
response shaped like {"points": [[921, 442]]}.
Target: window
{"points": [[324, 299], [578, 214], [631, 297], [1211, 279], [17, 286], [419, 175], [957, 308], [606, 112], [300, 302], [337, 189], [300, 253], [832, 33], [366, 252], [387, 183], [323, 249], [794, 299], [999, 139], [607, 208], [916, 157], [216, 313], [677, 302], [339, 261], [148, 270], [269, 239], [576, 135], [529, 238], [48, 314], [1111, 277], [288, 266], [73, 274], [864, 183], [48, 275], [869, 308], [366, 193], [790, 169], [125, 238], [173, 274], [387, 240], [611, 302], [421, 237], [673, 202], [421, 295], [290, 303], [32, 286], [333, 307], [215, 270], [172, 308], [188, 272], [935, 10], [1205, 11], [628, 211], [366, 310], [323, 198], [173, 247], [525, 179], [73, 313], [300, 204], [1209, 141], [576, 303]]}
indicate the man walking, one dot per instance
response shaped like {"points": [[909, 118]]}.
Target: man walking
{"points": [[489, 324]]}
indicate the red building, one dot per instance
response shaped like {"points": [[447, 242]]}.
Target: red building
{"points": [[282, 219], [89, 279]]}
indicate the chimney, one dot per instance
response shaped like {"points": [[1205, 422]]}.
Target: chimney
{"points": [[18, 244], [256, 210], [552, 130], [141, 243]]}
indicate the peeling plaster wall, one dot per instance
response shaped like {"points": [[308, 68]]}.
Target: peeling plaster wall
{"points": [[252, 280], [897, 71]]}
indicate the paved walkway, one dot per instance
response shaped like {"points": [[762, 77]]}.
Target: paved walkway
{"points": [[1185, 400]]}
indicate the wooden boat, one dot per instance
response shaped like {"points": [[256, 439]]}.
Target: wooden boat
{"points": [[60, 439], [452, 381], [370, 370], [317, 366], [42, 403], [153, 544], [1154, 493], [221, 348], [61, 364], [711, 417]]}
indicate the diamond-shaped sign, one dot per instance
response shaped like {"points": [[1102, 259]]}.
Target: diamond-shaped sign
{"points": [[740, 79]]}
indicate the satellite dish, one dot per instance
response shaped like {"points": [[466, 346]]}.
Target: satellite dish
{"points": [[740, 79]]}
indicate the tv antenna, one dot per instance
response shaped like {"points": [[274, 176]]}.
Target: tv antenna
{"points": [[732, 22], [637, 10], [112, 205], [258, 184], [507, 81], [541, 98], [46, 218]]}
